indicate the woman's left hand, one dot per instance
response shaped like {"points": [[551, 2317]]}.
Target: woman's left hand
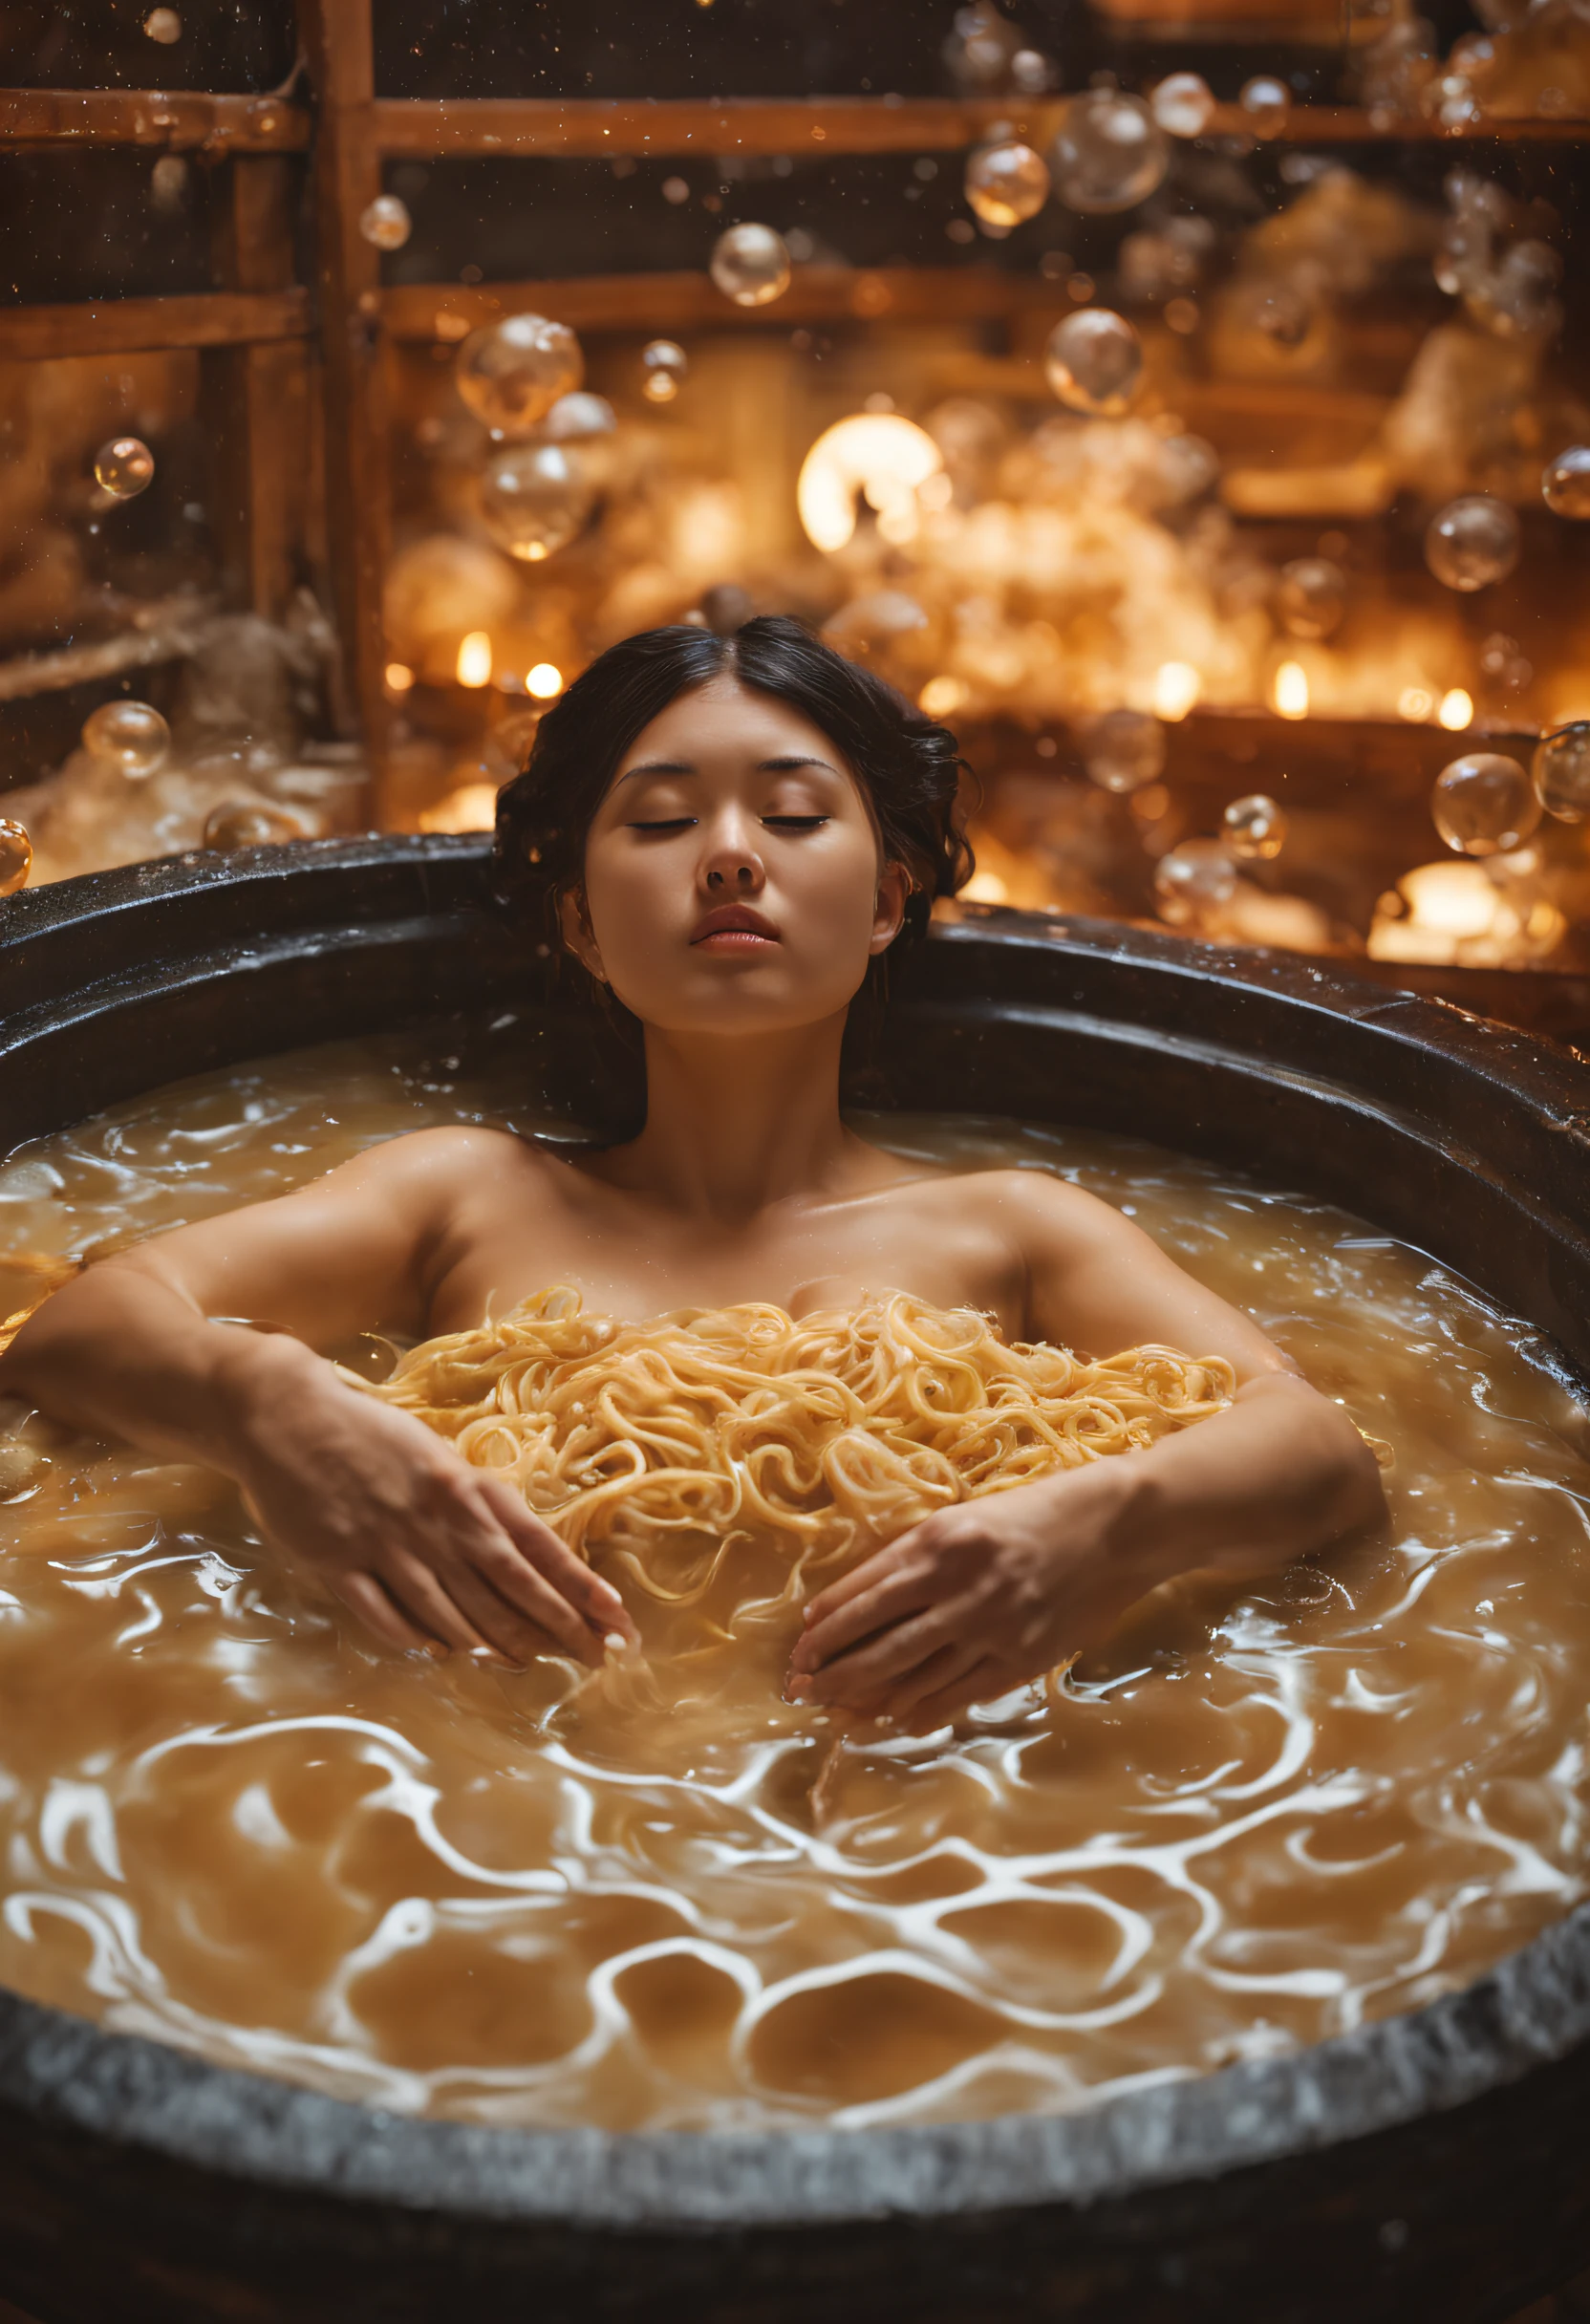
{"points": [[976, 1599]]}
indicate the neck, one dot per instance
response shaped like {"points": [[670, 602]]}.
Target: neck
{"points": [[732, 1125]]}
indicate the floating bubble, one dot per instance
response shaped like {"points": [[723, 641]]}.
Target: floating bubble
{"points": [[1094, 362], [245, 824], [168, 184], [164, 25], [511, 374], [981, 48], [16, 856], [1566, 484], [750, 265], [124, 467], [1265, 103], [1183, 104], [534, 498], [1312, 596], [1502, 661], [1194, 881], [1483, 804], [131, 736], [1517, 299], [1123, 750], [386, 222], [1110, 153], [1006, 184], [1283, 313], [1156, 266], [577, 417], [1561, 770], [664, 369], [1254, 827], [1472, 542], [1032, 73]]}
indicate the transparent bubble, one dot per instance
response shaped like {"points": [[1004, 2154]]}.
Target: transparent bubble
{"points": [[1254, 827], [16, 856], [1566, 484], [131, 736], [1517, 299], [1194, 881], [1561, 772], [124, 467], [664, 369], [1502, 663], [386, 222], [1123, 750], [164, 25], [1265, 103], [1094, 362], [1483, 804], [1110, 152], [1283, 313], [1154, 266], [751, 264], [168, 181], [1032, 73], [535, 498], [581, 414], [1472, 542], [511, 374], [981, 48], [1006, 184], [1183, 104], [245, 824], [1312, 596]]}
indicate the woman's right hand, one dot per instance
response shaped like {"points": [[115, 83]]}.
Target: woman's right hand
{"points": [[425, 1549]]}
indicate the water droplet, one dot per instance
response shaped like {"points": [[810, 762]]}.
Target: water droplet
{"points": [[1483, 804], [132, 737], [124, 467], [751, 264]]}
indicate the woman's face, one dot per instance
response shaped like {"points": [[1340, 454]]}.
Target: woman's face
{"points": [[734, 882]]}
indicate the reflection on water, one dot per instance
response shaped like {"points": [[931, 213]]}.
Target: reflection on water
{"points": [[231, 1821]]}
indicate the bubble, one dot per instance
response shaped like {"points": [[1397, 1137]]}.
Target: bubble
{"points": [[1517, 299], [1007, 184], [664, 369], [1110, 153], [981, 48], [1183, 104], [1194, 881], [1254, 827], [580, 415], [168, 184], [750, 265], [1093, 362], [124, 467], [1561, 770], [1472, 542], [132, 737], [1312, 596], [1123, 750], [1483, 804], [1032, 73], [164, 25], [244, 824], [1283, 313], [511, 374], [1265, 103], [534, 498], [16, 856], [1566, 484], [386, 222]]}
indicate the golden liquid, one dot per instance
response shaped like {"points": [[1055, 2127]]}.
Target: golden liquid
{"points": [[229, 1820]]}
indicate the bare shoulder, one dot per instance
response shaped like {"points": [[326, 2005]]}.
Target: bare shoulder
{"points": [[1026, 1203], [445, 1163]]}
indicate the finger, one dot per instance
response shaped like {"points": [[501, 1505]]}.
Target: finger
{"points": [[376, 1610], [889, 1602], [595, 1600], [882, 1661], [526, 1594], [984, 1683], [897, 1697], [422, 1597], [513, 1637], [864, 1577]]}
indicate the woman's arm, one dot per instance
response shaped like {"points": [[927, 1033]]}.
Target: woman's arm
{"points": [[992, 1591], [423, 1547]]}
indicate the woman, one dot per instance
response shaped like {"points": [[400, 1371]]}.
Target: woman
{"points": [[729, 837]]}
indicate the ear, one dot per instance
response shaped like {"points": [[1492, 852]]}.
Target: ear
{"points": [[575, 923], [894, 896]]}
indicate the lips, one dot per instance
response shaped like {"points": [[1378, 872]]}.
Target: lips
{"points": [[733, 928]]}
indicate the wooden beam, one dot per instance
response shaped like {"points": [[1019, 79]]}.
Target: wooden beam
{"points": [[128, 326], [178, 121], [337, 39], [423, 129], [255, 396], [167, 629], [661, 302]]}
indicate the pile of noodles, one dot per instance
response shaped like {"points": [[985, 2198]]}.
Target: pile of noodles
{"points": [[652, 1447]]}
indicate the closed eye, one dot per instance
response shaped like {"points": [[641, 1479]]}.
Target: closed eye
{"points": [[668, 823], [795, 822]]}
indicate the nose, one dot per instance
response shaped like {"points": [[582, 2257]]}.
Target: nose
{"points": [[732, 865]]}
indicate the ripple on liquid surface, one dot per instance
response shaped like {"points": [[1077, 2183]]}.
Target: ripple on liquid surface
{"points": [[1257, 1819]]}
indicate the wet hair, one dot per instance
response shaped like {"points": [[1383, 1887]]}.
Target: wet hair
{"points": [[907, 764]]}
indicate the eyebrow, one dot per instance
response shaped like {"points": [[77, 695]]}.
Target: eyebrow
{"points": [[781, 766]]}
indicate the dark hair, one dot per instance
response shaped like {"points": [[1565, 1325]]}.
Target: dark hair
{"points": [[908, 765]]}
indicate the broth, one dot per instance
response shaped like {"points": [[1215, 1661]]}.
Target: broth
{"points": [[232, 1822]]}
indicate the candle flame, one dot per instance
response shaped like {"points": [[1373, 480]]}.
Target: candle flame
{"points": [[1291, 690], [474, 663]]}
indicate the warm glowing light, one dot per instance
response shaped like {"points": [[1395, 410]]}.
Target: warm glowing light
{"points": [[1290, 692], [474, 663], [471, 808], [1451, 899], [544, 681], [1177, 686], [1458, 709], [986, 888], [1415, 702], [876, 454], [942, 696], [399, 678]]}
